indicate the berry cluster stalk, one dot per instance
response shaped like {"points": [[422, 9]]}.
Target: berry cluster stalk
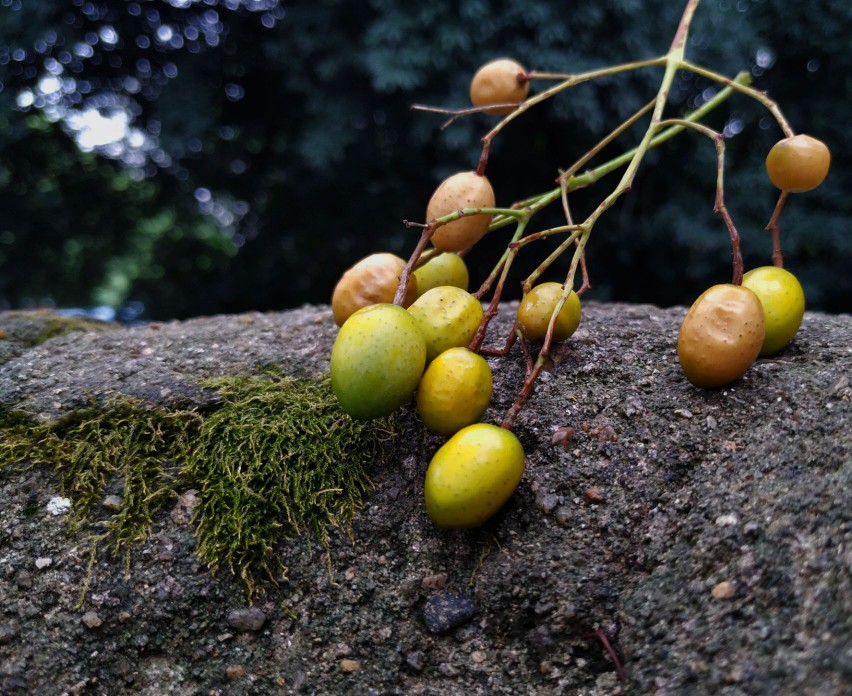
{"points": [[577, 234]]}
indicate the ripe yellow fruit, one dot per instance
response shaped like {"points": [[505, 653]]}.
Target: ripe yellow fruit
{"points": [[444, 269], [473, 474], [501, 81], [783, 301], [721, 335], [537, 307], [377, 361], [373, 280], [455, 391], [462, 190], [799, 163], [447, 317]]}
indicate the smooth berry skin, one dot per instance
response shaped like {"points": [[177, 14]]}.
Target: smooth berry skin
{"points": [[799, 163]]}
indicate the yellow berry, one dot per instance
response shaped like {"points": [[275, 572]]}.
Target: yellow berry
{"points": [[454, 392], [783, 301], [537, 307], [443, 269], [447, 317], [377, 361], [472, 475], [799, 163]]}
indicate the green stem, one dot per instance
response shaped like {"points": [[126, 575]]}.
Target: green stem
{"points": [[536, 203], [759, 96]]}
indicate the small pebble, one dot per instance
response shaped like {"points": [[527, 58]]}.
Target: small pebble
{"points": [[415, 660], [563, 514], [593, 494], [112, 502], [91, 619], [350, 665], [729, 520], [562, 437], [182, 511], [251, 619], [546, 502], [838, 385], [445, 612], [234, 672], [42, 563], [683, 412], [58, 505], [7, 633], [711, 423], [724, 590], [479, 656], [438, 581], [122, 667]]}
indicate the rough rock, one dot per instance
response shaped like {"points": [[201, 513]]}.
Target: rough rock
{"points": [[752, 490], [251, 619], [444, 612]]}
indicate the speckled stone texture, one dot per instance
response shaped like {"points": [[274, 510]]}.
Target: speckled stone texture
{"points": [[706, 534]]}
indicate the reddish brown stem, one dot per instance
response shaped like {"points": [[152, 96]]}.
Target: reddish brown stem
{"points": [[719, 204], [585, 285], [455, 114], [399, 298], [601, 636], [772, 228], [483, 158], [508, 421], [427, 256], [479, 336], [507, 346], [737, 276]]}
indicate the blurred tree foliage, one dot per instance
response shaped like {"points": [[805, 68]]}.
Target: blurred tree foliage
{"points": [[261, 147]]}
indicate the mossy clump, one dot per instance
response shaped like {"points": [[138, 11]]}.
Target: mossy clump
{"points": [[277, 458]]}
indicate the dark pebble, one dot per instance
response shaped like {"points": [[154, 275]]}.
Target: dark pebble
{"points": [[24, 580], [443, 613], [415, 660], [251, 619], [7, 634]]}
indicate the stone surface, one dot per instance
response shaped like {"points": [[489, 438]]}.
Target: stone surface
{"points": [[752, 490]]}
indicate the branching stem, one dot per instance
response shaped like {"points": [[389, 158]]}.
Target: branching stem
{"points": [[657, 132]]}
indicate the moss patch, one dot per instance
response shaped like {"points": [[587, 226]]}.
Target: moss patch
{"points": [[277, 458]]}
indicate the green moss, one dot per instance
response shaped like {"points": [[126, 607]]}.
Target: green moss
{"points": [[276, 459]]}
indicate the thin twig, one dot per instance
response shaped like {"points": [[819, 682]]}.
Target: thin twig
{"points": [[772, 228], [761, 97], [399, 297], [719, 204]]}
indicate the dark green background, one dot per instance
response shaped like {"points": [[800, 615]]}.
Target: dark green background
{"points": [[295, 117]]}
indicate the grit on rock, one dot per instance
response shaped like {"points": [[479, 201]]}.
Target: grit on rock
{"points": [[705, 534]]}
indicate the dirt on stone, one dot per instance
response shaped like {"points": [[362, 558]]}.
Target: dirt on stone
{"points": [[703, 535]]}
